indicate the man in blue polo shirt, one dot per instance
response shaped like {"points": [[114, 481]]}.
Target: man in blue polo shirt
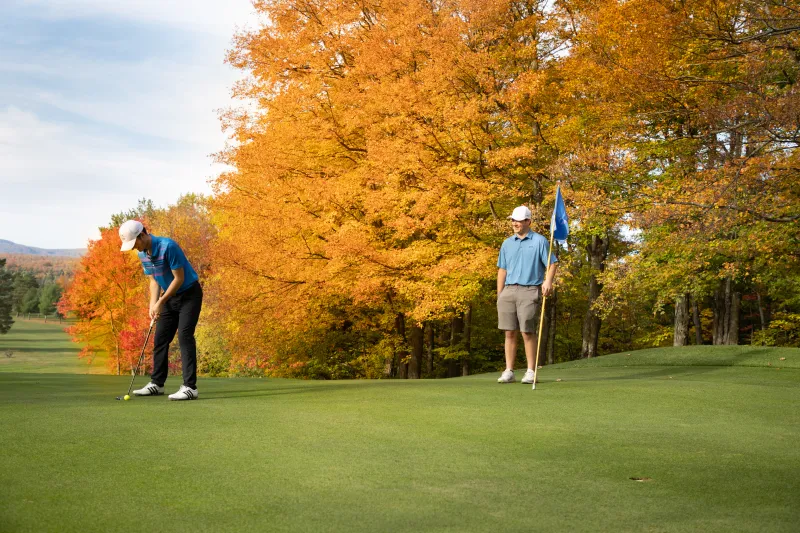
{"points": [[522, 278], [177, 309]]}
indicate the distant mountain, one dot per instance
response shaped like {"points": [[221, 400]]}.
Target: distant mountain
{"points": [[8, 247]]}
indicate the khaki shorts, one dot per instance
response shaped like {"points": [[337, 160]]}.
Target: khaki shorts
{"points": [[518, 308]]}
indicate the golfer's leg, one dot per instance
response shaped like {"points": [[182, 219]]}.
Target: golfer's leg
{"points": [[528, 305], [529, 339], [191, 303], [511, 349], [507, 321], [166, 326]]}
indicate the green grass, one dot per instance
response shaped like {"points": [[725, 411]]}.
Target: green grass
{"points": [[41, 347], [754, 356], [719, 445]]}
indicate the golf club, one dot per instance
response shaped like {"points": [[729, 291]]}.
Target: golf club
{"points": [[141, 356]]}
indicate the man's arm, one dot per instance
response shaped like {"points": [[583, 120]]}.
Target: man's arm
{"points": [[501, 280], [156, 303], [155, 290], [547, 286]]}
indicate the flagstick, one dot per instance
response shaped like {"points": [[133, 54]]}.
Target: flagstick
{"points": [[541, 317]]}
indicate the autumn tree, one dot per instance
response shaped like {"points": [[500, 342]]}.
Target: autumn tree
{"points": [[107, 292], [386, 139], [702, 92]]}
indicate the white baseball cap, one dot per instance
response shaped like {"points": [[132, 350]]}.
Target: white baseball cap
{"points": [[128, 233], [520, 213]]}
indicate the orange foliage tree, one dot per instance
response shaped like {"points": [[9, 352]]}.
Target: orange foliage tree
{"points": [[106, 295], [389, 142], [109, 297]]}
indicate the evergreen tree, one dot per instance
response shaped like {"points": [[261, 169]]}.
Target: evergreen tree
{"points": [[30, 301], [6, 297], [48, 299], [25, 292]]}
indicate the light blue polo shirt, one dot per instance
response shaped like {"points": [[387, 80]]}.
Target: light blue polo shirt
{"points": [[524, 259], [166, 256]]}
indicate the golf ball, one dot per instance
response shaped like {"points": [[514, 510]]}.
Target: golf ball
{"points": [[126, 397]]}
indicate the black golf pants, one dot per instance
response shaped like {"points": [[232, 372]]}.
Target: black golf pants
{"points": [[178, 315]]}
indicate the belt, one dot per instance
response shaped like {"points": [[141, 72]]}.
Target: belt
{"points": [[519, 285]]}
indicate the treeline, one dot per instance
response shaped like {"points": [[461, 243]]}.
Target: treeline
{"points": [[25, 291], [382, 144], [42, 266]]}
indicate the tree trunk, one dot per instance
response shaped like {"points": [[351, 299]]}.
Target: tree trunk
{"points": [[726, 314], [698, 329], [456, 332], [732, 338], [543, 337], [465, 361], [681, 334], [416, 352], [597, 254], [429, 345], [399, 363], [551, 329], [761, 315]]}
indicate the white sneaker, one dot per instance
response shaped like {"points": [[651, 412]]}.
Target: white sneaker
{"points": [[506, 377], [151, 389], [529, 375], [184, 393]]}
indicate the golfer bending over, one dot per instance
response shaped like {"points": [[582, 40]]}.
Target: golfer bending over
{"points": [[177, 310], [521, 281]]}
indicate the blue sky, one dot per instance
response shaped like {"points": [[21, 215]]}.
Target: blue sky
{"points": [[103, 103]]}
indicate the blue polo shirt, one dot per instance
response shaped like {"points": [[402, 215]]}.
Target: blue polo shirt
{"points": [[164, 257], [524, 259]]}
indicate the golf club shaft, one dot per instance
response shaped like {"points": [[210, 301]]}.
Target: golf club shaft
{"points": [[141, 356]]}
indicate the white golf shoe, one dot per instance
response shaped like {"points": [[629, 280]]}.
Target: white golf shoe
{"points": [[185, 393], [507, 377], [151, 389], [529, 375]]}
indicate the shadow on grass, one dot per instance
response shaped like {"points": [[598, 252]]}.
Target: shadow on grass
{"points": [[312, 386], [35, 331], [661, 372], [43, 350], [210, 396]]}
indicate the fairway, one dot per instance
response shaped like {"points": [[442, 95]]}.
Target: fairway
{"points": [[715, 448], [39, 346]]}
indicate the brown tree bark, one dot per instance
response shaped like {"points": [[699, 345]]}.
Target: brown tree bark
{"points": [[456, 332], [415, 363], [551, 331], [597, 251], [465, 361], [400, 365], [429, 345], [543, 339], [726, 314], [761, 313], [698, 329], [681, 332]]}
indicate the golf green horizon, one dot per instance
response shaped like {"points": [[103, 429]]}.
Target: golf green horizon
{"points": [[658, 440]]}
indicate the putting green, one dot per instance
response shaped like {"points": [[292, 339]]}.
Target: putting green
{"points": [[659, 448]]}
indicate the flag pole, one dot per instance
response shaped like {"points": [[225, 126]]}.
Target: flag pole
{"points": [[544, 299], [541, 316]]}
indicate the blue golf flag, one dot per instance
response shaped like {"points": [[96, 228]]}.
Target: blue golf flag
{"points": [[559, 223]]}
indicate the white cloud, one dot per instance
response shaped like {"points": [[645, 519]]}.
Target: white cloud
{"points": [[53, 174], [213, 16], [161, 98], [83, 137]]}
